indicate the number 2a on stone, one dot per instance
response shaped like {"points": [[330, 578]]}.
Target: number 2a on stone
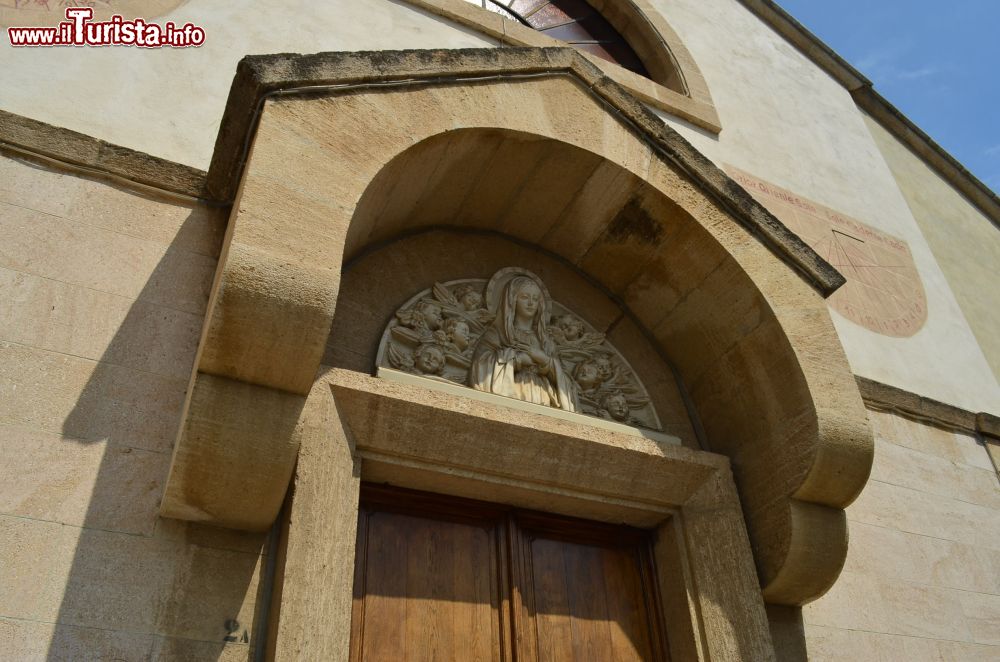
{"points": [[232, 627]]}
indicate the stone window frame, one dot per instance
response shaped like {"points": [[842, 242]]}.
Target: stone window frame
{"points": [[650, 36]]}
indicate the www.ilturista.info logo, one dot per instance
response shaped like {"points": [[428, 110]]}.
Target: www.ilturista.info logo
{"points": [[79, 30]]}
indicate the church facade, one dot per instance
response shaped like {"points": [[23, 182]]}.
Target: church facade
{"points": [[489, 330]]}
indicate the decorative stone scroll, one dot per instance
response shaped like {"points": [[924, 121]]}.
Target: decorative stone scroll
{"points": [[507, 336]]}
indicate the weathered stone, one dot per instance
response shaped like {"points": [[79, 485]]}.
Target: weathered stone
{"points": [[76, 253], [914, 511], [813, 423], [235, 434], [71, 319], [64, 574], [88, 400], [319, 538], [84, 483], [80, 149]]}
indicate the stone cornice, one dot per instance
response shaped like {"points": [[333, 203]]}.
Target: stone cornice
{"points": [[83, 152], [883, 397]]}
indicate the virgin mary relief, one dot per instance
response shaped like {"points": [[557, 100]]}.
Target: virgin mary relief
{"points": [[508, 337], [516, 356]]}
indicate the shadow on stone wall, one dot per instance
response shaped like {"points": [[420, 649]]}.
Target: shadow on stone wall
{"points": [[141, 586], [787, 633]]}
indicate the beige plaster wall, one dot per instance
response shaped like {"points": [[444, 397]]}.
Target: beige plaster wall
{"points": [[102, 294], [965, 242], [168, 102], [786, 121], [922, 578]]}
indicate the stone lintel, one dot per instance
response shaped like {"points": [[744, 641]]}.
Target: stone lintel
{"points": [[527, 407], [430, 431]]}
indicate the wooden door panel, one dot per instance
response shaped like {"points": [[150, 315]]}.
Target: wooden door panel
{"points": [[546, 598], [425, 591], [588, 603], [453, 580]]}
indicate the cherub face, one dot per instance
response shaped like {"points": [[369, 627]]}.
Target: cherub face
{"points": [[429, 359], [472, 300], [432, 315], [527, 300], [571, 327], [617, 407], [458, 333], [604, 367], [587, 375]]}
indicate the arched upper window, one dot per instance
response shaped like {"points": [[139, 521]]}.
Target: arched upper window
{"points": [[628, 40], [574, 22]]}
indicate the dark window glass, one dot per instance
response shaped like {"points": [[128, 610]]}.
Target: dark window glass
{"points": [[574, 22]]}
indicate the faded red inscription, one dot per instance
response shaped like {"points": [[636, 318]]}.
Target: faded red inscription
{"points": [[883, 292]]}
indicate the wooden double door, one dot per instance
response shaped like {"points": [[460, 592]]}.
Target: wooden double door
{"points": [[445, 579]]}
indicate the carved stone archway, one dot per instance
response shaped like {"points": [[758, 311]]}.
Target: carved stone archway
{"points": [[538, 145]]}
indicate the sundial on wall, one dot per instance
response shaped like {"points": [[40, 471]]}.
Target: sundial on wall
{"points": [[883, 292], [508, 337]]}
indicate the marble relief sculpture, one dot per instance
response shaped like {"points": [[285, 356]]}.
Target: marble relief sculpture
{"points": [[507, 336], [516, 356]]}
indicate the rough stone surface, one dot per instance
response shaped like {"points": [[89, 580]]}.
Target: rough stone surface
{"points": [[803, 405], [939, 415], [53, 478], [320, 538], [236, 435], [29, 641], [80, 149], [102, 296], [921, 579]]}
